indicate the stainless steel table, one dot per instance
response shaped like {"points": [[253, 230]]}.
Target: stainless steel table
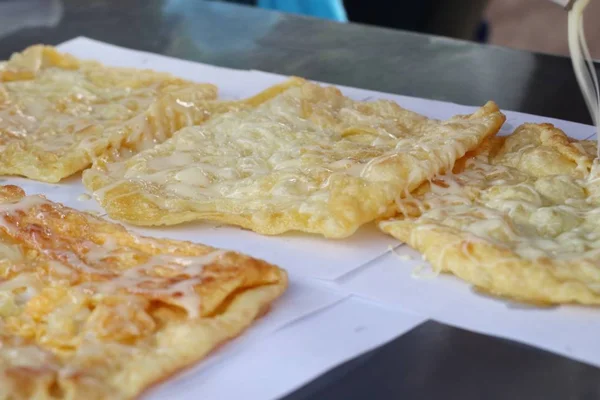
{"points": [[432, 361]]}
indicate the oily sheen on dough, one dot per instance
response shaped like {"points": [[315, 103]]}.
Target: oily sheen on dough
{"points": [[91, 311], [307, 160], [58, 113], [520, 219]]}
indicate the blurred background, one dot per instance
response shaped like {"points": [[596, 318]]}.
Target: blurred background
{"points": [[538, 26], [534, 25]]}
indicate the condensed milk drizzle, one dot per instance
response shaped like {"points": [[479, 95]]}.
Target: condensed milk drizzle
{"points": [[165, 276], [516, 217]]}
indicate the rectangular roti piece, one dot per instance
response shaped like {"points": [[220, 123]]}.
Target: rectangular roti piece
{"points": [[58, 113], [519, 219], [89, 310], [308, 159]]}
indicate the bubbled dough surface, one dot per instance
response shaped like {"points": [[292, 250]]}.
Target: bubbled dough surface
{"points": [[309, 159], [91, 311], [520, 219], [58, 114]]}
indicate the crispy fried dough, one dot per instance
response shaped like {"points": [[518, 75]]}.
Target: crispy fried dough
{"points": [[58, 113], [308, 159], [89, 310], [520, 219]]}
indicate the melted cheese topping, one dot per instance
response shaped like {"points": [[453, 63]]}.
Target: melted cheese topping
{"points": [[309, 159], [534, 195], [80, 296], [57, 114]]}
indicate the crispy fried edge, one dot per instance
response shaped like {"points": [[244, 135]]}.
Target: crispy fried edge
{"points": [[150, 368], [148, 213], [475, 268], [551, 136], [243, 307], [77, 159], [507, 276]]}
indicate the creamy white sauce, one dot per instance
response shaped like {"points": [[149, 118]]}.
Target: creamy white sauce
{"points": [[159, 276], [517, 217], [84, 197], [274, 157]]}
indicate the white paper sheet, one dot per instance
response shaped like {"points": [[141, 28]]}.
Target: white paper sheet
{"points": [[296, 252], [307, 255], [303, 254], [301, 300], [355, 265], [571, 331], [568, 330], [276, 365]]}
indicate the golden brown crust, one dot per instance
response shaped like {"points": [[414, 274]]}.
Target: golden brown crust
{"points": [[308, 159], [58, 113], [551, 151], [491, 268], [89, 310], [517, 220]]}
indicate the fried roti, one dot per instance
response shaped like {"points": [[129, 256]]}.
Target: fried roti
{"points": [[521, 219], [308, 160], [58, 113], [89, 310]]}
